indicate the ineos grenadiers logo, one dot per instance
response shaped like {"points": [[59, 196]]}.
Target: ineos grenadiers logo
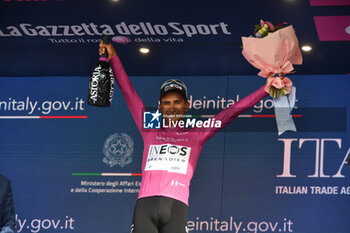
{"points": [[168, 157], [118, 149], [168, 149]]}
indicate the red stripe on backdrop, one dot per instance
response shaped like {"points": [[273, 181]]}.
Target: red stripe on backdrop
{"points": [[136, 174], [266, 116], [63, 117], [262, 116]]}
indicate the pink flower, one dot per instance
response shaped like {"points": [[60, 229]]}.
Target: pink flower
{"points": [[269, 24]]}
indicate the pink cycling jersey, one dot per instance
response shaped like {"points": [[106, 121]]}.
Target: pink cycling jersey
{"points": [[170, 155]]}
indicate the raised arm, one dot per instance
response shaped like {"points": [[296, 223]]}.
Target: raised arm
{"points": [[229, 114], [132, 99]]}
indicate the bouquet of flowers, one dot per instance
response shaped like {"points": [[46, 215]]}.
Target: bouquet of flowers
{"points": [[273, 50]]}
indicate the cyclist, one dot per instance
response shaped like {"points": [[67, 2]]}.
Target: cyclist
{"points": [[170, 154]]}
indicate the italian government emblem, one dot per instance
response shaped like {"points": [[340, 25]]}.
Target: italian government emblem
{"points": [[118, 149]]}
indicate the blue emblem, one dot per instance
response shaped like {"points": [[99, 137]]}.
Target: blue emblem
{"points": [[118, 149]]}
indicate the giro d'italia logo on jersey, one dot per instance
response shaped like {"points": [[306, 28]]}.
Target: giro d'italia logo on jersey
{"points": [[118, 149], [151, 120], [168, 157]]}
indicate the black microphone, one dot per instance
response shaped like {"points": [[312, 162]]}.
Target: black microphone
{"points": [[101, 83]]}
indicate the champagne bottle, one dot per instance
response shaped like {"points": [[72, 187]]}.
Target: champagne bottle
{"points": [[101, 83]]}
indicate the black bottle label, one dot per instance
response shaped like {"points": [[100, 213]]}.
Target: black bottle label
{"points": [[101, 84]]}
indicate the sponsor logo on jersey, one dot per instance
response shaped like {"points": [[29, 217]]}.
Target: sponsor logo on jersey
{"points": [[168, 157]]}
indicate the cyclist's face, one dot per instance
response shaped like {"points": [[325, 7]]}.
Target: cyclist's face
{"points": [[173, 106]]}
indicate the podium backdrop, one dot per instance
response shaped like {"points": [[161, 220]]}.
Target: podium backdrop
{"points": [[74, 167]]}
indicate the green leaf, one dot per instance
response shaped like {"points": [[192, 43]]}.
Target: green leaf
{"points": [[257, 27]]}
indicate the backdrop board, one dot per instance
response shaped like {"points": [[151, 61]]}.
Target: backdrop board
{"points": [[75, 167], [60, 37]]}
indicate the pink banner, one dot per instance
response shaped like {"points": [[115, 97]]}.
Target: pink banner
{"points": [[333, 28], [329, 2]]}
